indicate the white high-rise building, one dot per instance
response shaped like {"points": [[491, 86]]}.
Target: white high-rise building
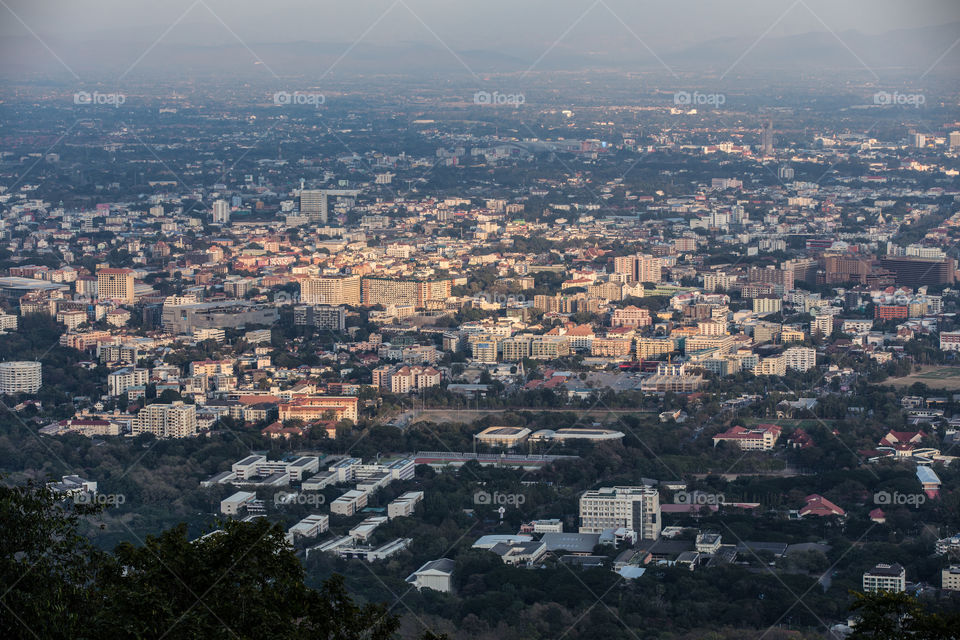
{"points": [[634, 508], [122, 379], [20, 377], [221, 212], [800, 358]]}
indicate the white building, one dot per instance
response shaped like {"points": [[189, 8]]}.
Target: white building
{"points": [[636, 508], [221, 212], [404, 505], [122, 379], [20, 377], [800, 358], [885, 577], [231, 506], [349, 503], [950, 578], [436, 575], [310, 527]]}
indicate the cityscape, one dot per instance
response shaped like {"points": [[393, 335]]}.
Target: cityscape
{"points": [[425, 320]]}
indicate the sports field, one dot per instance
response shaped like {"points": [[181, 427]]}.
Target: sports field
{"points": [[934, 377]]}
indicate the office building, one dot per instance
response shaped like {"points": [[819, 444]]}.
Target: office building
{"points": [[633, 508], [314, 204]]}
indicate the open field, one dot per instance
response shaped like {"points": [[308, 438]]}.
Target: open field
{"points": [[934, 377]]}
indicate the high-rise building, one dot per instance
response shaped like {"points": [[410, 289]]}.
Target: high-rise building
{"points": [[919, 140], [635, 508], [822, 325], [176, 420], [954, 139], [20, 377], [334, 290], [766, 138], [639, 268], [115, 284], [388, 291], [320, 316], [314, 203], [916, 272], [221, 212], [800, 358]]}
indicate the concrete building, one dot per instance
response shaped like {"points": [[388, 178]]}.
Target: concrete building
{"points": [[232, 505], [762, 438], [885, 577], [950, 578], [349, 503], [634, 508], [436, 575], [20, 376], [221, 212], [331, 290], [115, 284], [122, 379], [321, 316], [229, 314], [176, 420], [800, 358]]}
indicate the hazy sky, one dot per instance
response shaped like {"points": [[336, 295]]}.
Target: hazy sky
{"points": [[462, 24]]}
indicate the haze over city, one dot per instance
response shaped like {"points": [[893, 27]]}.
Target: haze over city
{"points": [[410, 319]]}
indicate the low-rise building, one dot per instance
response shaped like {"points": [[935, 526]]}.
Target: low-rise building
{"points": [[885, 577], [761, 438]]}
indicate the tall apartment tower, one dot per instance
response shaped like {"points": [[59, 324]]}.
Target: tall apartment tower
{"points": [[221, 212], [766, 138], [314, 203], [954, 139], [177, 420], [115, 284]]}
